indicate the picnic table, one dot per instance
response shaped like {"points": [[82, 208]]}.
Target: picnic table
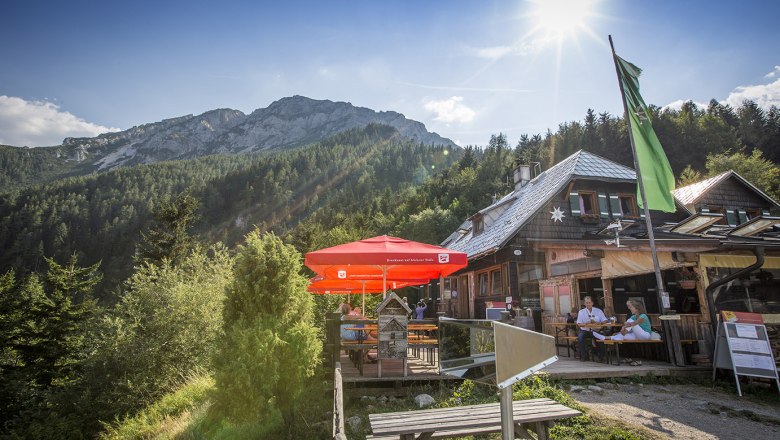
{"points": [[533, 414]]}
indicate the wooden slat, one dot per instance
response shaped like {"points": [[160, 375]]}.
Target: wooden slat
{"points": [[474, 418]]}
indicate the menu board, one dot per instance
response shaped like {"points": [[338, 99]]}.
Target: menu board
{"points": [[743, 346]]}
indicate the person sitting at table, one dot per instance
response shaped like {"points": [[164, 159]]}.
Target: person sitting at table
{"points": [[571, 318], [637, 327], [346, 333], [586, 316]]}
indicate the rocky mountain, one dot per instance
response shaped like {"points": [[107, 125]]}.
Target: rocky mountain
{"points": [[286, 123]]}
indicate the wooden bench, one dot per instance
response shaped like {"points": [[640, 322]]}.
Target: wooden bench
{"points": [[427, 344], [357, 347], [535, 414], [612, 343]]}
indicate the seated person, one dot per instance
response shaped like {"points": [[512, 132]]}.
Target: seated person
{"points": [[347, 335], [637, 327], [586, 316], [571, 318]]}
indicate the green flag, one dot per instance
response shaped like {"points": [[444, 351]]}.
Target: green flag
{"points": [[657, 175]]}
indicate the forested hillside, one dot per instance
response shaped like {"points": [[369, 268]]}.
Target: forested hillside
{"points": [[100, 217]]}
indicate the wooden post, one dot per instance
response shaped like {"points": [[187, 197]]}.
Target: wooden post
{"points": [[333, 331], [338, 405]]}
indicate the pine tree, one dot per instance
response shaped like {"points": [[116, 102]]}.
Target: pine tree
{"points": [[270, 345], [170, 238]]}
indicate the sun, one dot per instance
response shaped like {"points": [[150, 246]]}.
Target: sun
{"points": [[557, 19]]}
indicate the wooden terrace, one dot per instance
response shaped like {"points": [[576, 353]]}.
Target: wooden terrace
{"points": [[419, 369]]}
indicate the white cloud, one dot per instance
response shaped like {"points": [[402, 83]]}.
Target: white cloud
{"points": [[41, 123], [450, 110], [773, 73], [765, 95], [677, 105]]}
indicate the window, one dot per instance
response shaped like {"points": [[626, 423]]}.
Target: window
{"points": [[482, 283], [753, 213], [719, 210], [588, 204], [479, 224], [628, 205], [496, 284]]}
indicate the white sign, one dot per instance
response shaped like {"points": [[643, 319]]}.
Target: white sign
{"points": [[342, 274], [746, 331], [444, 258]]}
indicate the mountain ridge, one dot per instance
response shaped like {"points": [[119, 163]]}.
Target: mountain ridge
{"points": [[286, 123]]}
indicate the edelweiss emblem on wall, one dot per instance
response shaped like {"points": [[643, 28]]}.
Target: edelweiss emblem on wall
{"points": [[557, 215]]}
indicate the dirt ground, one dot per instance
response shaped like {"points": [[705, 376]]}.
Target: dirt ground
{"points": [[684, 411]]}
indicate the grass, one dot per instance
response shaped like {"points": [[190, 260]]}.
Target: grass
{"points": [[587, 427], [169, 418]]}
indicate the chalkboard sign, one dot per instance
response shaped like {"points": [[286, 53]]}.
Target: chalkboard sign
{"points": [[743, 347]]}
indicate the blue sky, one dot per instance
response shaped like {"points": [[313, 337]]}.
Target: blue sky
{"points": [[465, 69]]}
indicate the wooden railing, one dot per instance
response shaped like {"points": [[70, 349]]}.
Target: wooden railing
{"points": [[338, 405]]}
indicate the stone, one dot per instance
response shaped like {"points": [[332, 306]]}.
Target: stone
{"points": [[576, 388], [354, 423], [608, 385], [423, 400], [596, 389]]}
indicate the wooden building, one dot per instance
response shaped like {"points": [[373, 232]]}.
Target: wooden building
{"points": [[575, 230]]}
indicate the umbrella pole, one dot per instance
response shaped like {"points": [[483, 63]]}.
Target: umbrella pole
{"points": [[364, 298]]}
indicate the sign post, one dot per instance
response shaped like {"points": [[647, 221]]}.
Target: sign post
{"points": [[742, 345]]}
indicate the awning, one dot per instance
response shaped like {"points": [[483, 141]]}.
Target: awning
{"points": [[736, 261], [626, 264]]}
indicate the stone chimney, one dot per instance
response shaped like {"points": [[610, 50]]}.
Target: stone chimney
{"points": [[522, 176]]}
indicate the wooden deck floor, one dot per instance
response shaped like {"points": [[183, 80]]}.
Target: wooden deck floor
{"points": [[565, 368]]}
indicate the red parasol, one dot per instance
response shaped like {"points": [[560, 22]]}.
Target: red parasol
{"points": [[320, 285], [383, 258]]}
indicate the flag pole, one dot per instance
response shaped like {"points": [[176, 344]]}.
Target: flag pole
{"points": [[662, 295]]}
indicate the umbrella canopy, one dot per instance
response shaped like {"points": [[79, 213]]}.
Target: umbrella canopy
{"points": [[322, 285], [384, 258]]}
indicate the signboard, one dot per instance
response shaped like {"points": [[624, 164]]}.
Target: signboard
{"points": [[520, 353], [742, 345]]}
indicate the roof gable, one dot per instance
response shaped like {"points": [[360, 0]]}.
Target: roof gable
{"points": [[524, 203], [691, 194]]}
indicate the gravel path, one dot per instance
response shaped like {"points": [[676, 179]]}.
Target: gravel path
{"points": [[683, 411]]}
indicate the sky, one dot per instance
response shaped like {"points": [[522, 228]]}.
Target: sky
{"points": [[466, 69]]}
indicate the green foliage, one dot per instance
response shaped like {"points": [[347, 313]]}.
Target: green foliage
{"points": [[169, 238], [44, 326], [165, 327], [168, 416], [761, 172], [270, 346]]}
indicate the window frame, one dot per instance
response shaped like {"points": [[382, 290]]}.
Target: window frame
{"points": [[632, 201], [594, 203]]}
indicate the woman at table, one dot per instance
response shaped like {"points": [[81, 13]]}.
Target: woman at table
{"points": [[357, 313], [637, 327]]}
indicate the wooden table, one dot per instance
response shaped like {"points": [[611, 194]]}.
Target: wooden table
{"points": [[459, 421]]}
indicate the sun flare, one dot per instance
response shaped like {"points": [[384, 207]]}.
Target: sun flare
{"points": [[557, 19]]}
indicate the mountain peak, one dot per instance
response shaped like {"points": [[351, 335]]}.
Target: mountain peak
{"points": [[286, 123]]}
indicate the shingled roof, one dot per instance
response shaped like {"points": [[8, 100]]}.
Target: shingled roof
{"points": [[690, 194], [521, 205]]}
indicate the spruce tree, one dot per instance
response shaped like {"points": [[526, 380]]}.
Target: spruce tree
{"points": [[270, 345]]}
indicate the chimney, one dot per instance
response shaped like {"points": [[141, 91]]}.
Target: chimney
{"points": [[522, 176]]}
